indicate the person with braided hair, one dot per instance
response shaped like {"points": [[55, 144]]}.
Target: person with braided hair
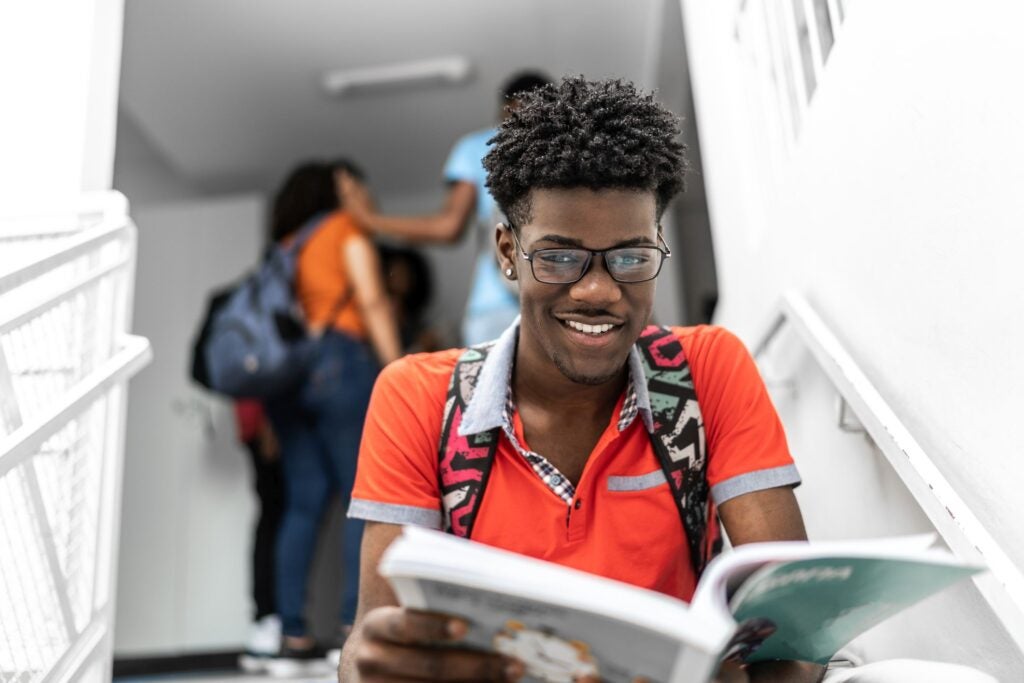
{"points": [[585, 460]]}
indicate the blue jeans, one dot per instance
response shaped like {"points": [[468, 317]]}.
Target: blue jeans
{"points": [[319, 427]]}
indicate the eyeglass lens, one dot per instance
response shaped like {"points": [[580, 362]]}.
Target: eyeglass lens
{"points": [[628, 264]]}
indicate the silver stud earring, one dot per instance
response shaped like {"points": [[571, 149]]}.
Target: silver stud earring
{"points": [[508, 272]]}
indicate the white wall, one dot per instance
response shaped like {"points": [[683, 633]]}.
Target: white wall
{"points": [[188, 511], [850, 490], [893, 203], [142, 173], [59, 63], [187, 515], [686, 285], [101, 100]]}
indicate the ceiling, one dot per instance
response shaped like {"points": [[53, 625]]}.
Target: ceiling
{"points": [[228, 93]]}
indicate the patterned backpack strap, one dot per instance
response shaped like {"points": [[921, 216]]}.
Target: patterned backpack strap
{"points": [[678, 440], [464, 462]]}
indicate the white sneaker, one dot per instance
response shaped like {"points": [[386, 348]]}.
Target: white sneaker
{"points": [[289, 663], [263, 643]]}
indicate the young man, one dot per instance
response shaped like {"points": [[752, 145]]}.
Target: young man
{"points": [[583, 171], [492, 303]]}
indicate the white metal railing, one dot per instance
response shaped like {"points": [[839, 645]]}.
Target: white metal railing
{"points": [[1003, 585], [66, 282]]}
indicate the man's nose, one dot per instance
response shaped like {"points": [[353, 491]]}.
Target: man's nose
{"points": [[596, 286]]}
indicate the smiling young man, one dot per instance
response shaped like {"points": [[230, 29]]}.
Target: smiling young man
{"points": [[584, 444]]}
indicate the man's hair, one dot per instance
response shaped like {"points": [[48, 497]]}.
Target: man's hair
{"points": [[584, 134], [523, 82]]}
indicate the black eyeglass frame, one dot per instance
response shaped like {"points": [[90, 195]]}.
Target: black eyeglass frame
{"points": [[666, 253]]}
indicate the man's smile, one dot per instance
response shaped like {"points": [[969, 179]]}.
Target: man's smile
{"points": [[591, 332], [589, 329]]}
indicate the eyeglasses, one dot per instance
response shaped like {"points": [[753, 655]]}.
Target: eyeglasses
{"points": [[564, 266]]}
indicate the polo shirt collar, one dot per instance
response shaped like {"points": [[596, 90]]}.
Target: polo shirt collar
{"points": [[486, 410]]}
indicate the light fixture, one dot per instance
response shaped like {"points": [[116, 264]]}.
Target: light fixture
{"points": [[453, 69]]}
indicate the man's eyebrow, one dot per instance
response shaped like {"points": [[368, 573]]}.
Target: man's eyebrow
{"points": [[571, 242]]}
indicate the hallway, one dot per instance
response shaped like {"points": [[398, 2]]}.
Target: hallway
{"points": [[851, 214]]}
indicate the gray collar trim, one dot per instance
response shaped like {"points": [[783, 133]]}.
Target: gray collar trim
{"points": [[486, 410]]}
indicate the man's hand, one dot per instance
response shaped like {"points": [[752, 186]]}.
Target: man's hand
{"points": [[785, 672], [732, 672], [396, 644]]}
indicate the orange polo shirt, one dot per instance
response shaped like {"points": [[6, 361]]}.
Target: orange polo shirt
{"points": [[622, 521], [322, 280]]}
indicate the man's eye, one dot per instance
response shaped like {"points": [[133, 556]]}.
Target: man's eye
{"points": [[559, 258], [630, 259]]}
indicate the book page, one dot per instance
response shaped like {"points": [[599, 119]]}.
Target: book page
{"points": [[808, 609], [560, 644]]}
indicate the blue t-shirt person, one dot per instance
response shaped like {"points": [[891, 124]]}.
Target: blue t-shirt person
{"points": [[492, 304], [493, 301]]}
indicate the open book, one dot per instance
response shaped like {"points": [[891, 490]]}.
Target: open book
{"points": [[761, 601]]}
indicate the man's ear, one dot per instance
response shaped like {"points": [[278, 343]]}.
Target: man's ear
{"points": [[506, 248]]}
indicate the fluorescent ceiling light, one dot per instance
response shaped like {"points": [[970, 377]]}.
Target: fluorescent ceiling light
{"points": [[454, 69]]}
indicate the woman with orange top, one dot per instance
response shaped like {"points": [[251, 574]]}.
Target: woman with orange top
{"points": [[319, 425]]}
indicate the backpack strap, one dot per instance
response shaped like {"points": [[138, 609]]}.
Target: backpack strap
{"points": [[464, 462], [678, 440], [303, 234]]}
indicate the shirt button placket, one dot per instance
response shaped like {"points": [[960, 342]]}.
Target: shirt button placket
{"points": [[577, 520]]}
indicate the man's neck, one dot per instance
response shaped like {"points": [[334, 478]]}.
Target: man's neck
{"points": [[543, 386]]}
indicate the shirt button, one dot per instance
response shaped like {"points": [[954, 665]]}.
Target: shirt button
{"points": [[579, 502]]}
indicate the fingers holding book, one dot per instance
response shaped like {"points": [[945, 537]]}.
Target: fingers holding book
{"points": [[732, 672], [409, 627], [403, 644]]}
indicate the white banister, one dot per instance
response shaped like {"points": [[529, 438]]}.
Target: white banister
{"points": [[1003, 585], [66, 283]]}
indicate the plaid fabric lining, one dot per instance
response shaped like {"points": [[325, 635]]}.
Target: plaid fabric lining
{"points": [[629, 407], [547, 472]]}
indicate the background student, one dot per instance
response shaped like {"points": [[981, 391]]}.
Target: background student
{"points": [[319, 424], [492, 301], [256, 435]]}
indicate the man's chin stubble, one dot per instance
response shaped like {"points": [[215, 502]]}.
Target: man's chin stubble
{"points": [[578, 378]]}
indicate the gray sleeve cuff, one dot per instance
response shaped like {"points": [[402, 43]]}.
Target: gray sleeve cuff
{"points": [[759, 480], [373, 511]]}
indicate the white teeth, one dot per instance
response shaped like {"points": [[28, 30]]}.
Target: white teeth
{"points": [[589, 329]]}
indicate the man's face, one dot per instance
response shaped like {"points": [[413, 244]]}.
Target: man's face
{"points": [[553, 314]]}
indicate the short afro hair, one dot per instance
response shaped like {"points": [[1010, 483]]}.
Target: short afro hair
{"points": [[585, 134], [523, 82]]}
